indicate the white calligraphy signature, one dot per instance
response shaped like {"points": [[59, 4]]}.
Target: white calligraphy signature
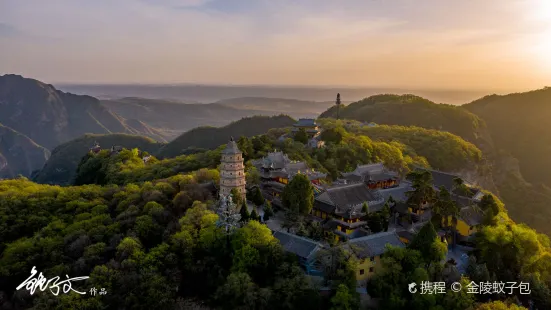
{"points": [[31, 284]]}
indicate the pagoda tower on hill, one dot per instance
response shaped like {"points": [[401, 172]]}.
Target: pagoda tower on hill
{"points": [[232, 170]]}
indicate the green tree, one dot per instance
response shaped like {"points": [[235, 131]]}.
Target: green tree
{"points": [[291, 220], [239, 292], [258, 198], [423, 191], [236, 196], [244, 212], [458, 300], [252, 176], [365, 208], [445, 207], [429, 245], [342, 299], [385, 216], [298, 195], [498, 305], [301, 136], [333, 135], [246, 146], [268, 211], [254, 215]]}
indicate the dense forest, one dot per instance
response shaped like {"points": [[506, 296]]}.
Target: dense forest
{"points": [[411, 110], [63, 162], [143, 223], [518, 125]]}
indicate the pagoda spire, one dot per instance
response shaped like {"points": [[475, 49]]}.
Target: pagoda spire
{"points": [[338, 103]]}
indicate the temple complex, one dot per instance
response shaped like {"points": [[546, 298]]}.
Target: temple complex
{"points": [[376, 176], [232, 170], [343, 204], [276, 170]]}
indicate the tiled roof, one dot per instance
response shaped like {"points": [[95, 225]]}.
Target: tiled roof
{"points": [[324, 206], [462, 201], [348, 194], [397, 193], [295, 167], [231, 148], [471, 215], [306, 122], [352, 177], [406, 235], [374, 245], [274, 160], [442, 179], [300, 246], [370, 168], [380, 176]]}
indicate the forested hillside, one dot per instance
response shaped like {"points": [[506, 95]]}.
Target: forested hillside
{"points": [[62, 164], [411, 110], [150, 236], [502, 172], [212, 137], [518, 124], [147, 245]]}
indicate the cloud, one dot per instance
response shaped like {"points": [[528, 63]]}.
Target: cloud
{"points": [[265, 41]]}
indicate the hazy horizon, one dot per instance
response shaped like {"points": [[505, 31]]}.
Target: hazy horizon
{"points": [[490, 46]]}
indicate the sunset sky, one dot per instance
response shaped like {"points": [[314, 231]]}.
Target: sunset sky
{"points": [[430, 44]]}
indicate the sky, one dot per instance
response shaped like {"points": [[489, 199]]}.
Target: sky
{"points": [[415, 44]]}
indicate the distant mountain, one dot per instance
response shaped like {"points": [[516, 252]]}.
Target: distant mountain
{"points": [[37, 117], [212, 93], [212, 137], [175, 116], [19, 154], [138, 127], [50, 117], [172, 118], [62, 164], [293, 107]]}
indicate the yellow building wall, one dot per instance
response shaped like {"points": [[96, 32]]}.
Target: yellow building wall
{"points": [[462, 228], [348, 231], [365, 265]]}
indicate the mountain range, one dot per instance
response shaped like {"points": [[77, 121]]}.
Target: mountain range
{"points": [[35, 117], [46, 131]]}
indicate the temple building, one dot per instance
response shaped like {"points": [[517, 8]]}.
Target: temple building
{"points": [[232, 170], [376, 176], [447, 180], [305, 249], [309, 125], [276, 170], [343, 205], [369, 249], [96, 148]]}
